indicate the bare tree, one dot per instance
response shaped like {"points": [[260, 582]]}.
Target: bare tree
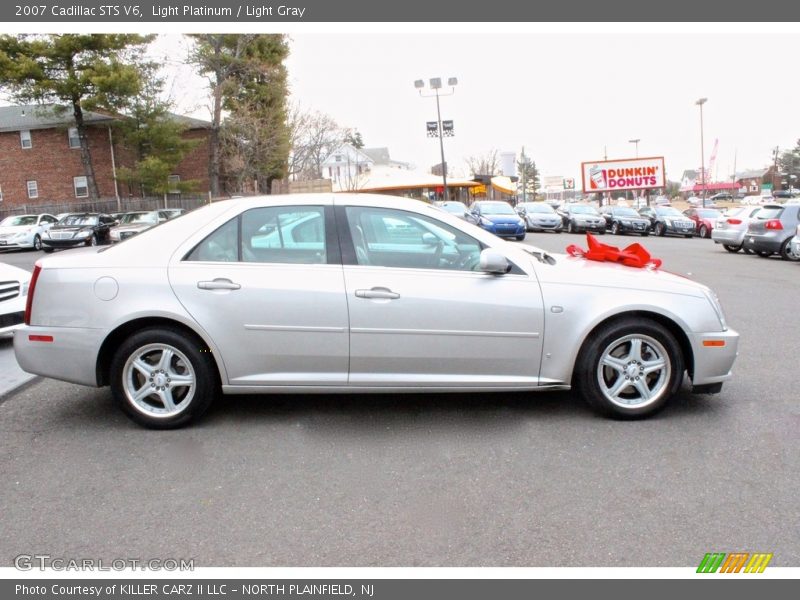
{"points": [[314, 136], [486, 164]]}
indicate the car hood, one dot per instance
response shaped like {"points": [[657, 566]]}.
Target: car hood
{"points": [[138, 227], [571, 269], [11, 230], [582, 217], [500, 219], [10, 273]]}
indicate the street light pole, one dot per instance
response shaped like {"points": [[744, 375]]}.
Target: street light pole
{"points": [[436, 84], [636, 141], [700, 103]]}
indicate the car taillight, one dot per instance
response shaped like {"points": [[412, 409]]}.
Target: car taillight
{"points": [[773, 224], [29, 302], [734, 221]]}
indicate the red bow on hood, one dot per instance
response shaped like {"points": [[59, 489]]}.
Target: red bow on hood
{"points": [[634, 255]]}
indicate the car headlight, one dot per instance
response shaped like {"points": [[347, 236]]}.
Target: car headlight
{"points": [[485, 222], [521, 223], [715, 304], [84, 233]]}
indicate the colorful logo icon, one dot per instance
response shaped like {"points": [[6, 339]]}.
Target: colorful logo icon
{"points": [[735, 562]]}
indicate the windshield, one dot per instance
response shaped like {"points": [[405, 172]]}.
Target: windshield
{"points": [[18, 221], [769, 212], [496, 208], [78, 220], [709, 214], [583, 210], [454, 208], [668, 211], [625, 212], [138, 218], [539, 208]]}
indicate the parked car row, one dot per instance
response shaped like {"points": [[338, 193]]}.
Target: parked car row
{"points": [[68, 230]]}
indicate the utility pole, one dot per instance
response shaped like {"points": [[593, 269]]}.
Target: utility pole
{"points": [[524, 173]]}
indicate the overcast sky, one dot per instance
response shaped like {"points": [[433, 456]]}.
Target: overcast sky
{"points": [[567, 97]]}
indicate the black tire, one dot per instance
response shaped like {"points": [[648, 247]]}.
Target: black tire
{"points": [[615, 228], [37, 242], [747, 250], [688, 237], [659, 229], [763, 254], [732, 249], [200, 363], [645, 234], [570, 227], [92, 241], [47, 250], [520, 237], [587, 374], [786, 251], [704, 231]]}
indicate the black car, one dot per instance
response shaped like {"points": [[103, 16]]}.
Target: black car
{"points": [[668, 219], [78, 229], [623, 219], [582, 217]]}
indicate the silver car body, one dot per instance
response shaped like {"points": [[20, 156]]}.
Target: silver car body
{"points": [[732, 234], [13, 295], [539, 216], [323, 327]]}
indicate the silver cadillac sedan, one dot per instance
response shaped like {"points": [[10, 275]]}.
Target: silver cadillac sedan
{"points": [[360, 293]]}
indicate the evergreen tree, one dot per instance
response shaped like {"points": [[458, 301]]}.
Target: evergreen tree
{"points": [[527, 172], [74, 72]]}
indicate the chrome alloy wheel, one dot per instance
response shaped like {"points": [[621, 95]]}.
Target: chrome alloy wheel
{"points": [[159, 381], [634, 371]]}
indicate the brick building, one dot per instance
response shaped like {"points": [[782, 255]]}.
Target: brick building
{"points": [[40, 156]]}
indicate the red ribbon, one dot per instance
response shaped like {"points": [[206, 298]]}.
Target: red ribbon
{"points": [[634, 255]]}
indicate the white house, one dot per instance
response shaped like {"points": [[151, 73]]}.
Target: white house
{"points": [[347, 163]]}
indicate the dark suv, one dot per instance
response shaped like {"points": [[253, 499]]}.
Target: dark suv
{"points": [[771, 230]]}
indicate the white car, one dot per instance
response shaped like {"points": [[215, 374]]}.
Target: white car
{"points": [[13, 295], [24, 231], [312, 293]]}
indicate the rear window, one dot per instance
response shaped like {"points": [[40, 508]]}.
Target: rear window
{"points": [[770, 212]]}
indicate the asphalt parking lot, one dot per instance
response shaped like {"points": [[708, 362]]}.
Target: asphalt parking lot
{"points": [[436, 480]]}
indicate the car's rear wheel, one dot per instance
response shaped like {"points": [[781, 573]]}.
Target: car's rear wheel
{"points": [[629, 368], [37, 242], [786, 251], [730, 248], [659, 229], [763, 254], [615, 228], [92, 241], [163, 378], [703, 231]]}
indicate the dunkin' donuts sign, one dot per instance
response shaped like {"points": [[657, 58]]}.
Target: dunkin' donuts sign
{"points": [[628, 174]]}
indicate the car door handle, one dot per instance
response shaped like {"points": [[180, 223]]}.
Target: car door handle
{"points": [[382, 293], [218, 284]]}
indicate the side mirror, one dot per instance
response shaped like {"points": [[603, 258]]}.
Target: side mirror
{"points": [[492, 261]]}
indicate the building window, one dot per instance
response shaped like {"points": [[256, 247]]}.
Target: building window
{"points": [[25, 138], [74, 140], [33, 189], [330, 172], [173, 184], [81, 186], [338, 158]]}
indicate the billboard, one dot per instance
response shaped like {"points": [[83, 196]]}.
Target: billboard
{"points": [[626, 174]]}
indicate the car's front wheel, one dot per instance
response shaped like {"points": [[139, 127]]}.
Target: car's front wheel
{"points": [[786, 251], [163, 378], [629, 368], [615, 228], [731, 248], [37, 242], [703, 231], [659, 229]]}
